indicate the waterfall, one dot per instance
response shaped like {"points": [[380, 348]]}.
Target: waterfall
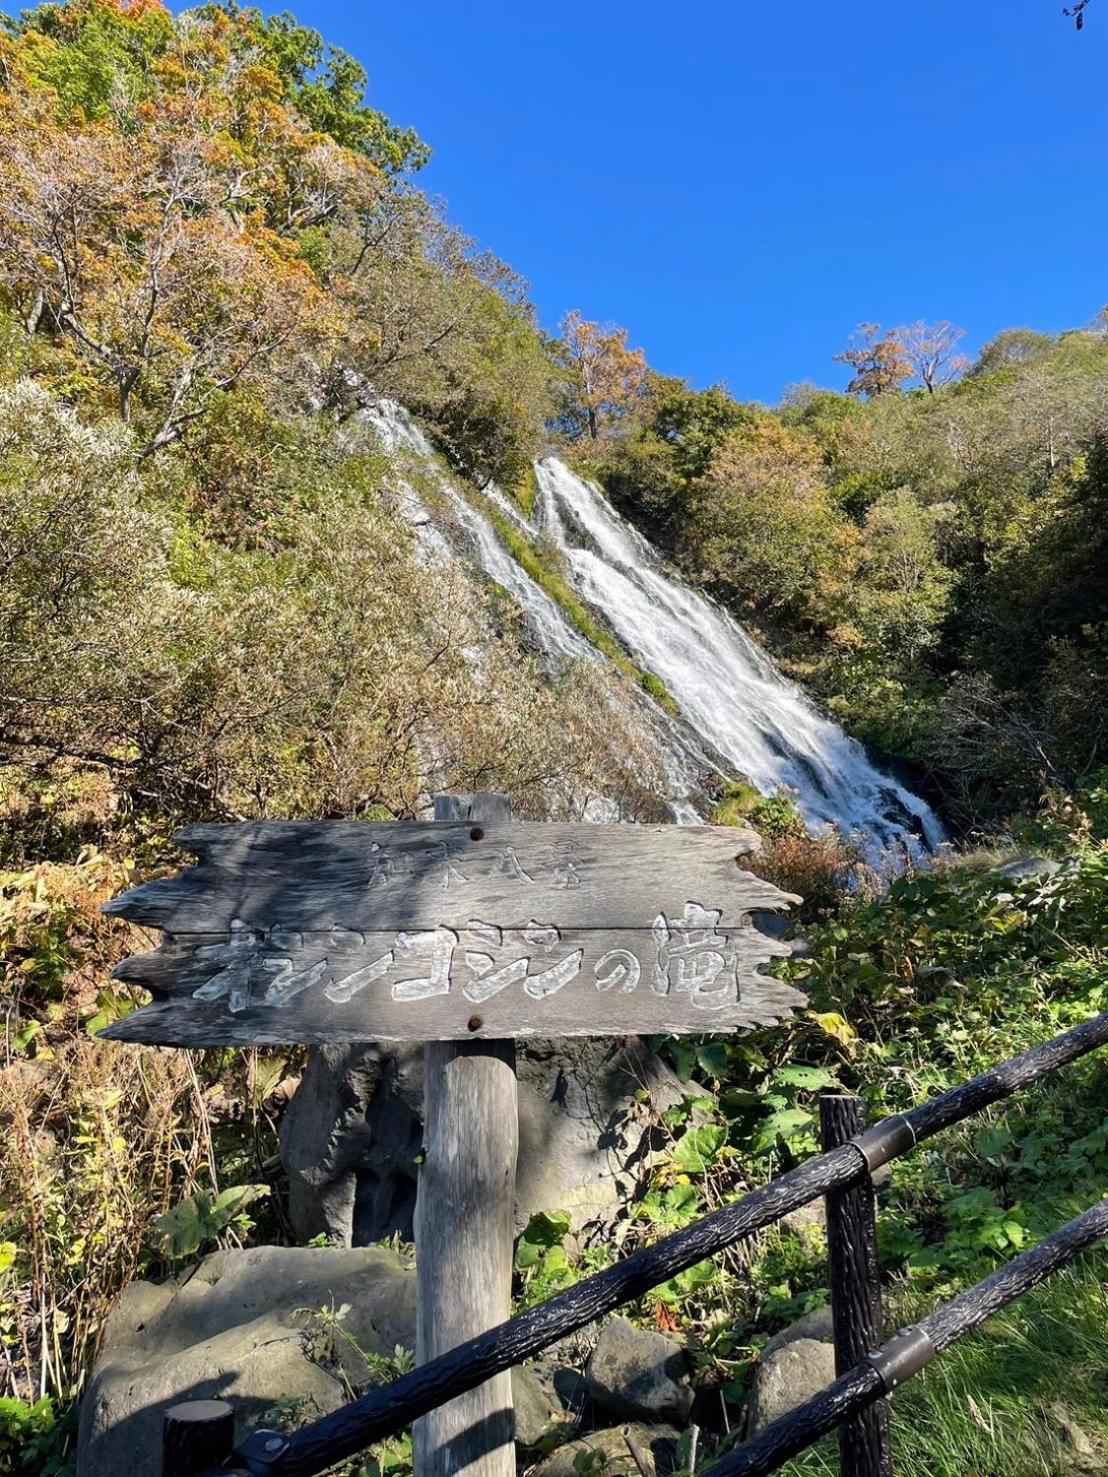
{"points": [[682, 760], [739, 716], [727, 688]]}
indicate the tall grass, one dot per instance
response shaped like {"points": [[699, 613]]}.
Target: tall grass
{"points": [[1025, 1396]]}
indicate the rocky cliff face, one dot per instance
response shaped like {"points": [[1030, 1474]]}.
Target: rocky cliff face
{"points": [[589, 1121]]}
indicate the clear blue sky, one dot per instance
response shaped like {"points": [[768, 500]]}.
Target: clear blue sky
{"points": [[740, 184]]}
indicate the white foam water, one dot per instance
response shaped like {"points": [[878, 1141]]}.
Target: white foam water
{"points": [[739, 715], [726, 687]]}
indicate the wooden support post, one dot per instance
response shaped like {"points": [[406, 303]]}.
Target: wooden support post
{"points": [[195, 1435], [864, 1448], [464, 1223]]}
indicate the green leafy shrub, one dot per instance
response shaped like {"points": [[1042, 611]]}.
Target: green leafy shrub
{"points": [[35, 1439], [204, 1217]]}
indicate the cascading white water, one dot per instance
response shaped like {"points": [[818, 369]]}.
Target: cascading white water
{"points": [[683, 763], [727, 688], [739, 715], [553, 633]]}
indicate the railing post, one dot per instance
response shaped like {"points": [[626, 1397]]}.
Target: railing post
{"points": [[864, 1448], [195, 1435]]}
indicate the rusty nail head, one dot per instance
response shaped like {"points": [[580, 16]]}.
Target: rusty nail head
{"points": [[475, 1023], [476, 833]]}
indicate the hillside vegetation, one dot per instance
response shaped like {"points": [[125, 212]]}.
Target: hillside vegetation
{"points": [[930, 561], [213, 256]]}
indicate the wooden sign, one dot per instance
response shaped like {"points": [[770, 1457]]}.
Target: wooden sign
{"points": [[341, 931]]}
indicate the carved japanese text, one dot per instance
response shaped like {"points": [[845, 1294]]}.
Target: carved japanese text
{"points": [[268, 967]]}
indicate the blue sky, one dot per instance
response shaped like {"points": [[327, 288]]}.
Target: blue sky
{"points": [[740, 184]]}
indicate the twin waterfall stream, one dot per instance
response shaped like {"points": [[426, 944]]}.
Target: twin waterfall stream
{"points": [[739, 716]]}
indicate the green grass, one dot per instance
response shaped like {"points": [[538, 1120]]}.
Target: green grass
{"points": [[735, 806], [526, 491], [1008, 1400]]}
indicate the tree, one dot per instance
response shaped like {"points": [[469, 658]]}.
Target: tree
{"points": [[440, 326], [694, 423], [879, 361], [902, 589], [607, 376], [325, 84], [160, 242], [763, 529], [124, 248], [1012, 348], [930, 350]]}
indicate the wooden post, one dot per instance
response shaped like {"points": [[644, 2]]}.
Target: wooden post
{"points": [[464, 1223], [864, 1448], [195, 1435]]}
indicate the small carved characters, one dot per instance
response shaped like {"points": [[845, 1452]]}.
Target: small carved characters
{"points": [[495, 964]]}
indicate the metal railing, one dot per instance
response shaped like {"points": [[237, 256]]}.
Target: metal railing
{"points": [[867, 1369]]}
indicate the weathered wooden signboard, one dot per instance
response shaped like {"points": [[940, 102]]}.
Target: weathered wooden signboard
{"points": [[463, 933], [342, 931]]}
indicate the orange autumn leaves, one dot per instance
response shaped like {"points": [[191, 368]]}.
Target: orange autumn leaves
{"points": [[608, 376], [160, 242]]}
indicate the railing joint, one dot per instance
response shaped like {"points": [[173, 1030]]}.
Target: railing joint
{"points": [[902, 1357], [260, 1454], [884, 1141]]}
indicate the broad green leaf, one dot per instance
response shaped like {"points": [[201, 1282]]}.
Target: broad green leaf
{"points": [[810, 1079], [699, 1148], [785, 1124], [547, 1227]]}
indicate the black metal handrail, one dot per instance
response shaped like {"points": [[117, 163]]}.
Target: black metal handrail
{"points": [[384, 1412], [904, 1356]]}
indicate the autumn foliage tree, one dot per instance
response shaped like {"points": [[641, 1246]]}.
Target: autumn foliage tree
{"points": [[932, 351], [884, 360], [605, 376], [161, 241], [764, 530], [199, 208], [878, 359]]}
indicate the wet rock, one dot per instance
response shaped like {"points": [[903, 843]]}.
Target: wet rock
{"points": [[638, 1374]]}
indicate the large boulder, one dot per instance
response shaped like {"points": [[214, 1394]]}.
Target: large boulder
{"points": [[240, 1328], [791, 1371], [351, 1137], [639, 1375]]}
